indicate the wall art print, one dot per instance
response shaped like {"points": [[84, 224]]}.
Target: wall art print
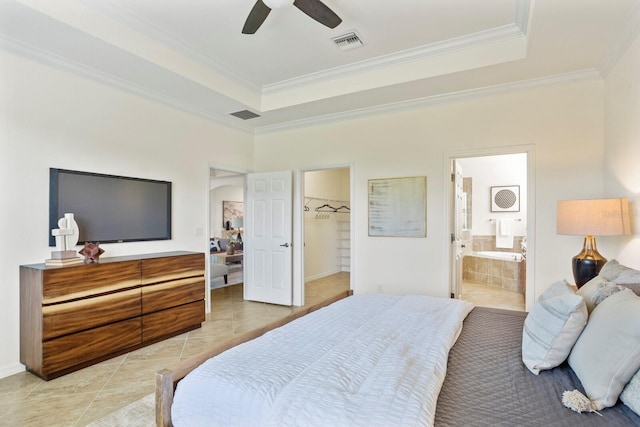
{"points": [[505, 198], [398, 207], [230, 210]]}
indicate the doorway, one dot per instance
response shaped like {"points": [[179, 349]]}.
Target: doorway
{"points": [[489, 223], [333, 189], [226, 199], [327, 238]]}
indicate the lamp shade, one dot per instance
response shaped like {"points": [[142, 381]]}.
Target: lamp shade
{"points": [[593, 217], [236, 222]]}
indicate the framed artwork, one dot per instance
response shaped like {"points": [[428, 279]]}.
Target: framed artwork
{"points": [[505, 198], [398, 207], [230, 210]]}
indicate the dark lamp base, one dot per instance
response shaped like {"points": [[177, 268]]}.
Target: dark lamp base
{"points": [[587, 264]]}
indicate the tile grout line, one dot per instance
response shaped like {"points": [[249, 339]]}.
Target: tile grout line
{"points": [[101, 389]]}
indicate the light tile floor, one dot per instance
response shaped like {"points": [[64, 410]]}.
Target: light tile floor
{"points": [[81, 397], [492, 296]]}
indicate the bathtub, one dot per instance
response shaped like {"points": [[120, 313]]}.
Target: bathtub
{"points": [[504, 270], [508, 256]]}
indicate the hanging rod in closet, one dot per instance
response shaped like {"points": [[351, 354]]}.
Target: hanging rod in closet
{"points": [[325, 199], [330, 209], [327, 208]]}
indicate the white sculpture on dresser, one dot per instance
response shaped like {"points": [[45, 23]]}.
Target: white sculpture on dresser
{"points": [[66, 238]]}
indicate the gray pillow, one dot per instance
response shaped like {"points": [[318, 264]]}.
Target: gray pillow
{"points": [[596, 290], [631, 394], [607, 354], [629, 278], [552, 327], [611, 270]]}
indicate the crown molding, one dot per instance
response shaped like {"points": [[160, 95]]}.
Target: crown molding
{"points": [[523, 15], [630, 31], [173, 43], [46, 57], [397, 58], [435, 100], [516, 29]]}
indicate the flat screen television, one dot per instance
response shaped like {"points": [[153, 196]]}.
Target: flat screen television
{"points": [[110, 208]]}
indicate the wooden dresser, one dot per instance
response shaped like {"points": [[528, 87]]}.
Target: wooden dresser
{"points": [[73, 317]]}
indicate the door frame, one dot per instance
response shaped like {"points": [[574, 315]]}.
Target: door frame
{"points": [[227, 169], [529, 150], [298, 228]]}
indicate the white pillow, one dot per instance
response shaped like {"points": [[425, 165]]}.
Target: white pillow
{"points": [[607, 354], [552, 327], [596, 290], [631, 394]]}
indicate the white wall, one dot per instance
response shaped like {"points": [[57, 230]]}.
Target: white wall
{"points": [[564, 123], [622, 154], [50, 118], [491, 171]]}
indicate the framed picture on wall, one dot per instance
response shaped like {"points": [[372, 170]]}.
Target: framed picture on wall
{"points": [[398, 207], [505, 198], [230, 210]]}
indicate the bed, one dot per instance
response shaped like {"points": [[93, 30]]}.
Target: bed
{"points": [[481, 380]]}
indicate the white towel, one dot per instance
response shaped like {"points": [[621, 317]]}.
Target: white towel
{"points": [[504, 233]]}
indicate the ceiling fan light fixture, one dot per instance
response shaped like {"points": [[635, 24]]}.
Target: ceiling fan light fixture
{"points": [[314, 9], [277, 4]]}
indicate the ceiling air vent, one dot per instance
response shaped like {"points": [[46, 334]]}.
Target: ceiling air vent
{"points": [[348, 41], [245, 115]]}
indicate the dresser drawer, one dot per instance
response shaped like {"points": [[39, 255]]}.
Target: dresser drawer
{"points": [[71, 350], [85, 280], [157, 270], [170, 294], [170, 321], [75, 316]]}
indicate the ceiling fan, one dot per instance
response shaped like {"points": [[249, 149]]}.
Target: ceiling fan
{"points": [[313, 8]]}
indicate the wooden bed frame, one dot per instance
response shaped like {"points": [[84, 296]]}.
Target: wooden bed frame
{"points": [[167, 379]]}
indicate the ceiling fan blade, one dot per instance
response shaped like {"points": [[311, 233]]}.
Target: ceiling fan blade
{"points": [[318, 11], [256, 17]]}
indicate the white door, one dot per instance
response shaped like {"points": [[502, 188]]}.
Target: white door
{"points": [[267, 238], [459, 244]]}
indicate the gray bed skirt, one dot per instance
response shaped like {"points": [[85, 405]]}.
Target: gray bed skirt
{"points": [[488, 385]]}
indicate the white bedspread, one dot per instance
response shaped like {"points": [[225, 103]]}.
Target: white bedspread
{"points": [[367, 360]]}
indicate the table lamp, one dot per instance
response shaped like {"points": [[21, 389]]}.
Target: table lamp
{"points": [[236, 223], [590, 218]]}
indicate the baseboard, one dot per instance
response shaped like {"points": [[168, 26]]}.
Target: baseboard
{"points": [[215, 286], [320, 276], [9, 370]]}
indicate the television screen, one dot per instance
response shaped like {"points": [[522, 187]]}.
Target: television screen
{"points": [[110, 208]]}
